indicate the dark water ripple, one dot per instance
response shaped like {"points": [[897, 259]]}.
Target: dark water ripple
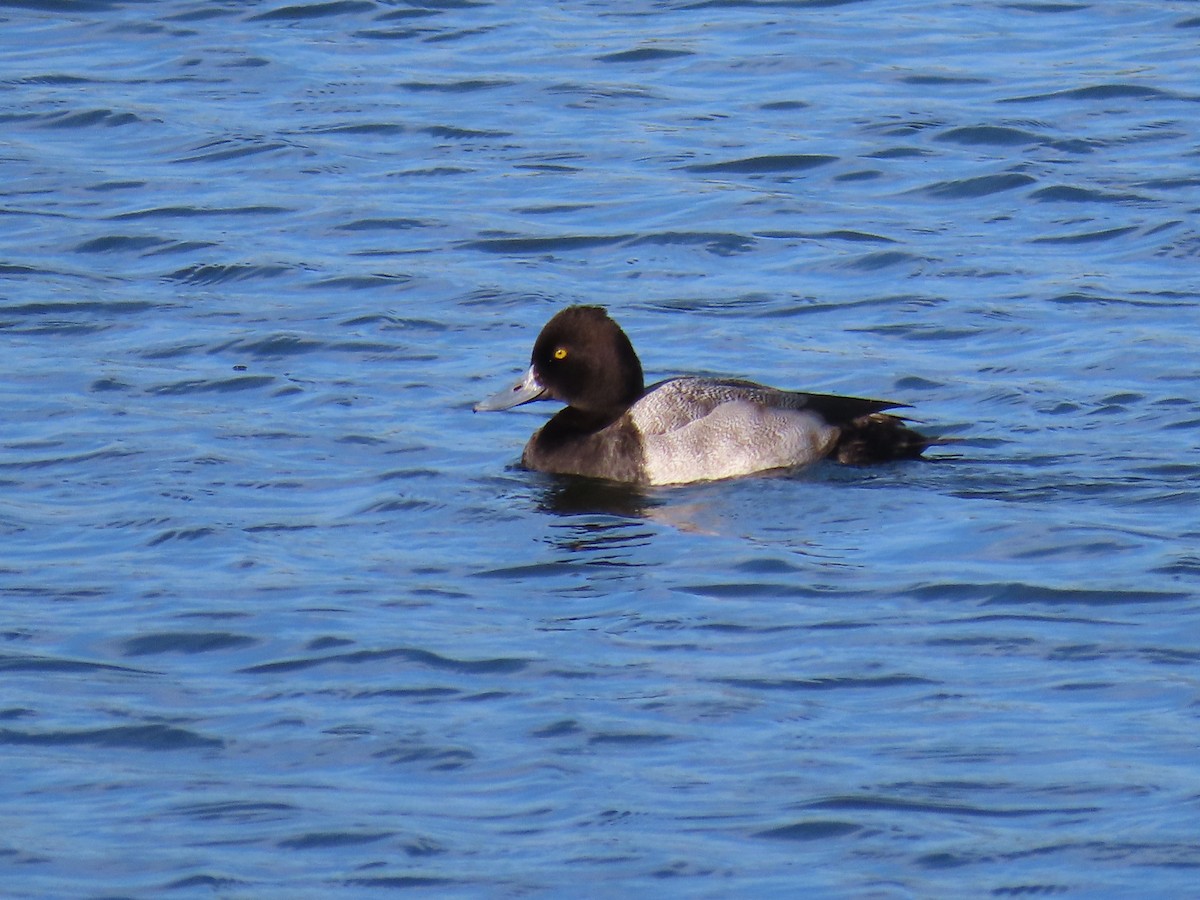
{"points": [[280, 616], [143, 737]]}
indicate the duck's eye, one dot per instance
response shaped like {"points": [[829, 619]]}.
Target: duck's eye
{"points": [[560, 353]]}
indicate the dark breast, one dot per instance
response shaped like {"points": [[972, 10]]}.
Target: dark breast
{"points": [[613, 452]]}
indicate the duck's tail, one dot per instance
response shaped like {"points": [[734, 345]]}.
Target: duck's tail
{"points": [[879, 438]]}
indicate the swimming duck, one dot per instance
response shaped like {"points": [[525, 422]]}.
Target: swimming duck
{"points": [[682, 429]]}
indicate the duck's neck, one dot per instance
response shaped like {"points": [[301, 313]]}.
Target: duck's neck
{"points": [[572, 421]]}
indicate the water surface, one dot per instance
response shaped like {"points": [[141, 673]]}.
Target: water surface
{"points": [[281, 617]]}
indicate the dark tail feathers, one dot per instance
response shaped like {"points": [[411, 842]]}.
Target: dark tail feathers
{"points": [[878, 438]]}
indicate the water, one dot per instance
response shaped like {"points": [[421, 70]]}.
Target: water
{"points": [[282, 618]]}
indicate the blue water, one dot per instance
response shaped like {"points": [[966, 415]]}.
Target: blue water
{"points": [[282, 618]]}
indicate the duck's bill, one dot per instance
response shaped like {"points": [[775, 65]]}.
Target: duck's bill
{"points": [[525, 390]]}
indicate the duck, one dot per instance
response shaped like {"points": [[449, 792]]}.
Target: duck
{"points": [[684, 429]]}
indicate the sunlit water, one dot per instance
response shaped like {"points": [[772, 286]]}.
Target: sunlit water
{"points": [[282, 618]]}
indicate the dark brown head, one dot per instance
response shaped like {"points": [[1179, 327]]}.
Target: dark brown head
{"points": [[583, 358]]}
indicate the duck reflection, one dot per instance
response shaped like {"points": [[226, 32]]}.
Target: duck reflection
{"points": [[619, 505], [568, 495]]}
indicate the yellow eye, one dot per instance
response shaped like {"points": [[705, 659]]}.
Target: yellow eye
{"points": [[560, 353]]}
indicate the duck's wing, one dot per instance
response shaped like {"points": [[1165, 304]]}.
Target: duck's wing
{"points": [[679, 402], [839, 410], [698, 429]]}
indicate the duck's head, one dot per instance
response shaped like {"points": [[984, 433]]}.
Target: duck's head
{"points": [[581, 358]]}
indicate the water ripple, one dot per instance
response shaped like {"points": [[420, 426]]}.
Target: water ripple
{"points": [[88, 118], [811, 830], [304, 11], [184, 642], [1100, 92], [979, 186], [226, 149], [537, 245], [421, 657], [186, 212], [994, 135], [23, 663], [213, 386], [130, 737], [825, 684], [763, 165], [218, 274], [122, 243]]}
